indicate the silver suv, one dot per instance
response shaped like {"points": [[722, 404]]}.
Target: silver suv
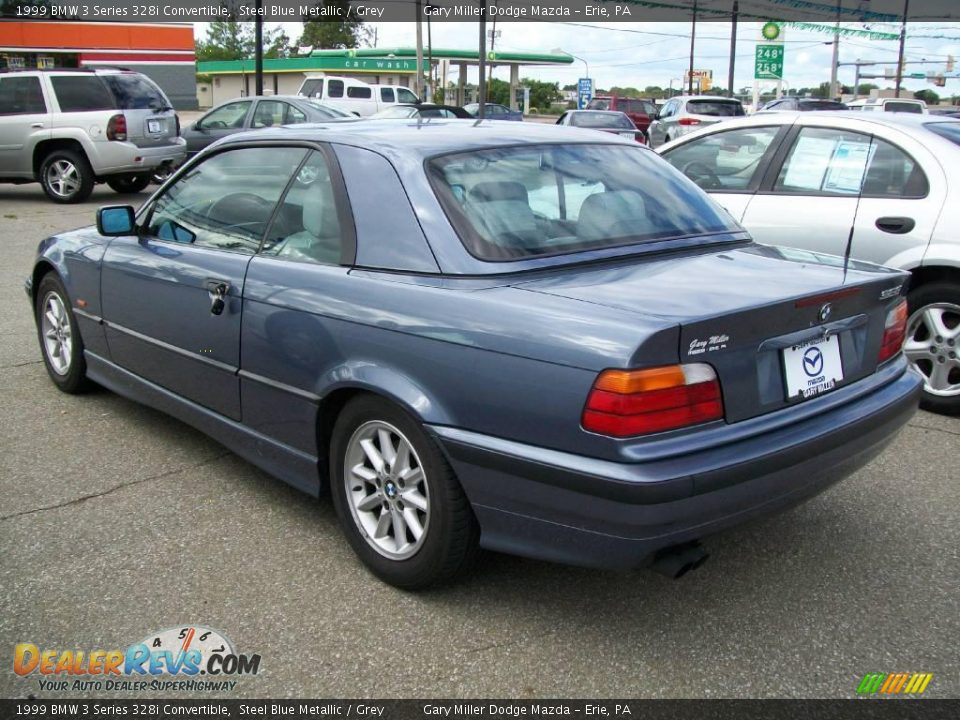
{"points": [[686, 113], [70, 129]]}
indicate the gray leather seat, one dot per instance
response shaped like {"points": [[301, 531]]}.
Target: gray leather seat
{"points": [[320, 238], [501, 212], [612, 214]]}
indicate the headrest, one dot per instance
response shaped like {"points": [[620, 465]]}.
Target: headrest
{"points": [[490, 191]]}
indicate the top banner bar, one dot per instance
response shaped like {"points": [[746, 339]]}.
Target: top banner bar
{"points": [[154, 11]]}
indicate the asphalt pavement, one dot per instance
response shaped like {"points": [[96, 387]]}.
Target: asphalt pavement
{"points": [[117, 522]]}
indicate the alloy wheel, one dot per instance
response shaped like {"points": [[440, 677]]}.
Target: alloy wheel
{"points": [[933, 336], [386, 490], [63, 178], [57, 337]]}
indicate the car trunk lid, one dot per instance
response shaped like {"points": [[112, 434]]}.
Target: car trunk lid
{"points": [[752, 314]]}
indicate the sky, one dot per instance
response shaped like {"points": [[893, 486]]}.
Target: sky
{"points": [[642, 54]]}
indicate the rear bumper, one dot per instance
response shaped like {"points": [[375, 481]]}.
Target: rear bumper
{"points": [[117, 158], [567, 508]]}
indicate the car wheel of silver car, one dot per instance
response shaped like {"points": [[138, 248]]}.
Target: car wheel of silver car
{"points": [[59, 338], [128, 185], [66, 176], [399, 503], [932, 344]]}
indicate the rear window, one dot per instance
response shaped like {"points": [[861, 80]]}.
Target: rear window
{"points": [[533, 200], [360, 93], [948, 130], [601, 120], [822, 105], [598, 104], [135, 92], [635, 106], [903, 107], [78, 93], [714, 108]]}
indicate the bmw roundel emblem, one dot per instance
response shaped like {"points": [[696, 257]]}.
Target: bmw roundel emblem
{"points": [[825, 312]]}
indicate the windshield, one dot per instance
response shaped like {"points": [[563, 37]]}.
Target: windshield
{"points": [[900, 106], [599, 119], [948, 130], [136, 92], [717, 108], [530, 200]]}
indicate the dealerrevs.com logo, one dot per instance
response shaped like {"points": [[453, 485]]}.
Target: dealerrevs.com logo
{"points": [[192, 658]]}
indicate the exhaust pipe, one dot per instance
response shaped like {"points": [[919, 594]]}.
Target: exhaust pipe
{"points": [[675, 562]]}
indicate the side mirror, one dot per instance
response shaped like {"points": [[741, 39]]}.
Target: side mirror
{"points": [[116, 220]]}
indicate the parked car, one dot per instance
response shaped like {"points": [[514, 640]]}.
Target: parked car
{"points": [[889, 105], [494, 111], [586, 383], [256, 112], [616, 123], [354, 96], [684, 114], [882, 187], [803, 104], [71, 129], [422, 110], [641, 112]]}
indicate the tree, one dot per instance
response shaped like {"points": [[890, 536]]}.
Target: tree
{"points": [[571, 86], [654, 91], [227, 40], [928, 96], [334, 33]]}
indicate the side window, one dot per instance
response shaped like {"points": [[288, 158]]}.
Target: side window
{"points": [[306, 227], [335, 88], [826, 161], [228, 116], [359, 93], [226, 201], [725, 160], [894, 174], [21, 96], [81, 93], [294, 115], [405, 96], [386, 95], [312, 88], [667, 110], [268, 114]]}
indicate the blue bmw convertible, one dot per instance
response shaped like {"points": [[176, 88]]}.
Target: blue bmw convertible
{"points": [[532, 339]]}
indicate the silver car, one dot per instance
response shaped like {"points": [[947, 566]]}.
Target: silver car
{"points": [[881, 187], [687, 113], [70, 129]]}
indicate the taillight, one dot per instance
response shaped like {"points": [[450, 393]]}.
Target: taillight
{"points": [[623, 403], [688, 121], [894, 331], [117, 127]]}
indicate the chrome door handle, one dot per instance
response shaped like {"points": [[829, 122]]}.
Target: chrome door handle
{"points": [[36, 125]]}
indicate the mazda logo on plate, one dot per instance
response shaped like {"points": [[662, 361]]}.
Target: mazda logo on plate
{"points": [[813, 362], [825, 312]]}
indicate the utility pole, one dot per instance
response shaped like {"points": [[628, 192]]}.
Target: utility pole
{"points": [[430, 81], [903, 40], [834, 89], [733, 46], [482, 85], [693, 36], [419, 74], [258, 51]]}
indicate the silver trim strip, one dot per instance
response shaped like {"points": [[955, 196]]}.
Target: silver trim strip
{"points": [[279, 386], [172, 348]]}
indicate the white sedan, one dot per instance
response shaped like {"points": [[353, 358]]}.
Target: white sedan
{"points": [[883, 187]]}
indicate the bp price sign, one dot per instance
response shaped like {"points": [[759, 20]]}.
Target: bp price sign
{"points": [[768, 62]]}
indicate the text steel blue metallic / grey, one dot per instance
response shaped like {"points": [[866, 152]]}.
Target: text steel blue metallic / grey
{"points": [[532, 339]]}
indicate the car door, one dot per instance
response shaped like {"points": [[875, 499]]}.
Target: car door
{"points": [[808, 199], [729, 164], [172, 294], [903, 193], [218, 123], [24, 121], [657, 129]]}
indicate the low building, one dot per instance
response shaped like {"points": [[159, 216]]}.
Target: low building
{"points": [[164, 52], [378, 66]]}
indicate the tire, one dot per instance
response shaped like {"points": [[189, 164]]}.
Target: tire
{"points": [[66, 176], [129, 184], [933, 344], [423, 493], [60, 341], [161, 174]]}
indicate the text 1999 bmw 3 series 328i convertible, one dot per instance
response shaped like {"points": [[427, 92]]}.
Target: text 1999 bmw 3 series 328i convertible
{"points": [[530, 339]]}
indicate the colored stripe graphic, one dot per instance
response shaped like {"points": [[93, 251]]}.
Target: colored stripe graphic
{"points": [[894, 683]]}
